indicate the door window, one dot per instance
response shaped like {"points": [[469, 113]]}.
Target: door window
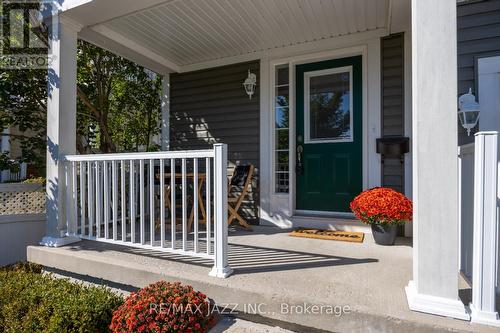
{"points": [[327, 105]]}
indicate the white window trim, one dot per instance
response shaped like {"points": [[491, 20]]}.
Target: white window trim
{"points": [[307, 114], [273, 108]]}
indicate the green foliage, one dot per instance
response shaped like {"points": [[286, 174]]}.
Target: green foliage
{"points": [[118, 106], [37, 180], [6, 163], [34, 302], [23, 105], [23, 95], [118, 101], [23, 266], [138, 99]]}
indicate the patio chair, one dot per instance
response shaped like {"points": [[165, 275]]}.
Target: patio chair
{"points": [[239, 185]]}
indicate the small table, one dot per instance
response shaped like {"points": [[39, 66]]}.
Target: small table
{"points": [[201, 206]]}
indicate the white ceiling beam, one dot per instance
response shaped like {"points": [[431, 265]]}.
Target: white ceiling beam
{"points": [[106, 43], [134, 46]]}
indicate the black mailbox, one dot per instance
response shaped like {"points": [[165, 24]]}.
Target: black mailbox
{"points": [[393, 147]]}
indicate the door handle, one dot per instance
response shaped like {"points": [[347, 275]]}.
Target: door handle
{"points": [[299, 165]]}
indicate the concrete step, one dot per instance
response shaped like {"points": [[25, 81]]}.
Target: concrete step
{"points": [[355, 287]]}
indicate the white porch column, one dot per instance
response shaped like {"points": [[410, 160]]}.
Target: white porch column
{"points": [[434, 288], [61, 126], [165, 112], [484, 261]]}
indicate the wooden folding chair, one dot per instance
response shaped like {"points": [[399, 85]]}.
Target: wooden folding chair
{"points": [[237, 190]]}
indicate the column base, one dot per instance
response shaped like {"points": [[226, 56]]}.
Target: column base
{"points": [[58, 241], [221, 273], [435, 305], [483, 317]]}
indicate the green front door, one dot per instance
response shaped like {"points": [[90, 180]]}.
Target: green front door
{"points": [[329, 134]]}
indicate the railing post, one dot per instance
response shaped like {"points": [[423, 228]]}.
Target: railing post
{"points": [[221, 267], [485, 230]]}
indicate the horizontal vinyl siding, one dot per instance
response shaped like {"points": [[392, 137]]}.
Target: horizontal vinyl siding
{"points": [[211, 106], [393, 105], [478, 29]]}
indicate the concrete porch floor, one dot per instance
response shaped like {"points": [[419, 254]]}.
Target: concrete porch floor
{"points": [[276, 271]]}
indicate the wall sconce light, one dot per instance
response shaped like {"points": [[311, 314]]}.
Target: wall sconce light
{"points": [[250, 83], [468, 111]]}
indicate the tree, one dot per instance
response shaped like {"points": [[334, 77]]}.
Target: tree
{"points": [[23, 102], [118, 105], [119, 98]]}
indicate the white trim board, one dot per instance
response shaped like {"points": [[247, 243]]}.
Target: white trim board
{"points": [[435, 305]]}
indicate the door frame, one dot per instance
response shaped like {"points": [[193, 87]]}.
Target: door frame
{"points": [[371, 166]]}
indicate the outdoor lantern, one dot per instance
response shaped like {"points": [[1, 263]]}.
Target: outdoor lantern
{"points": [[468, 111], [250, 83]]}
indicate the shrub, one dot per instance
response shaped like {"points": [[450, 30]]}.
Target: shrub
{"points": [[33, 302], [164, 307], [23, 266], [382, 206], [37, 180]]}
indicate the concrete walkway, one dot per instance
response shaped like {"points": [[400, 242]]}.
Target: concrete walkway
{"points": [[237, 325], [328, 285]]}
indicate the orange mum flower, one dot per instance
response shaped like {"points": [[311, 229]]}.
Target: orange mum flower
{"points": [[382, 205]]}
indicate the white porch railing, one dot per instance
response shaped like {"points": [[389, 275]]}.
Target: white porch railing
{"points": [[151, 200], [486, 228]]}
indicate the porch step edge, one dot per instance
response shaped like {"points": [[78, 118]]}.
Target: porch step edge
{"points": [[136, 275]]}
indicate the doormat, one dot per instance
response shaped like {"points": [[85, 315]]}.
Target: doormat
{"points": [[346, 236]]}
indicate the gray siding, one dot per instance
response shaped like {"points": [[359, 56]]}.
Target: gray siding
{"points": [[211, 106], [392, 48], [478, 28]]}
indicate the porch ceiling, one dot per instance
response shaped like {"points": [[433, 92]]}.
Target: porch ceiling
{"points": [[179, 33]]}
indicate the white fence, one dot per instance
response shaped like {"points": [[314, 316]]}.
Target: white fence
{"points": [[22, 219], [161, 201], [8, 176]]}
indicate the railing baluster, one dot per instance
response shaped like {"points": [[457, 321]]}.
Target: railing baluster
{"points": [[209, 206], [83, 196], [152, 201], [172, 203], [105, 175], [141, 199], [90, 199], [132, 202], [74, 185], [68, 196], [98, 201], [123, 201], [184, 204], [195, 202], [162, 203], [115, 199]]}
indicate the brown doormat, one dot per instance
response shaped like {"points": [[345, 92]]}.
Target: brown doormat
{"points": [[346, 236]]}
